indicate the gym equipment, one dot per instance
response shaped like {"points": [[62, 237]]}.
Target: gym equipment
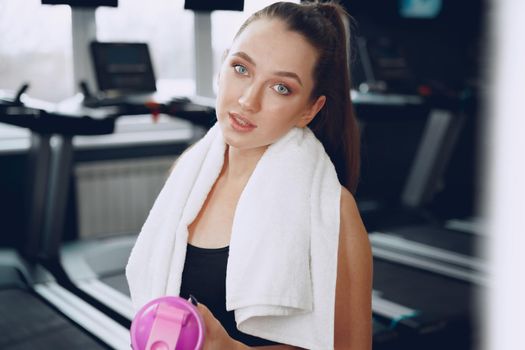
{"points": [[431, 311], [37, 311], [425, 275], [126, 80]]}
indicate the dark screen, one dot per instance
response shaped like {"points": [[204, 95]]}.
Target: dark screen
{"points": [[82, 3], [123, 67], [211, 5]]}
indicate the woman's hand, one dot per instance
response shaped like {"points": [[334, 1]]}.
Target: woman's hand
{"points": [[215, 337]]}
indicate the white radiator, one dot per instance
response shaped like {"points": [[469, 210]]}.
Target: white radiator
{"points": [[114, 197]]}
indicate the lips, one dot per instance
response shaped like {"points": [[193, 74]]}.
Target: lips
{"points": [[242, 121]]}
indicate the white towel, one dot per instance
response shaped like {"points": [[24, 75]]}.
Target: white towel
{"points": [[282, 265]]}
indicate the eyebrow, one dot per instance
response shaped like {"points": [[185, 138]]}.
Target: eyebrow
{"points": [[279, 73]]}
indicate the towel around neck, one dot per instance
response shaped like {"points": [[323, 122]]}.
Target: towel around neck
{"points": [[282, 267]]}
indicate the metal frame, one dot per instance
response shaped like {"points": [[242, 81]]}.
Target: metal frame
{"points": [[435, 149]]}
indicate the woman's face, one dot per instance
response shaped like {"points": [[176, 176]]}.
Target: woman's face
{"points": [[265, 84]]}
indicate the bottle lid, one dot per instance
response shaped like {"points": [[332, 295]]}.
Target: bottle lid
{"points": [[167, 323]]}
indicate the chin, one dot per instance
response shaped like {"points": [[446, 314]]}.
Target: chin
{"points": [[244, 143], [236, 143]]}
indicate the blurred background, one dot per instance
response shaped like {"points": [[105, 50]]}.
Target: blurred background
{"points": [[99, 97]]}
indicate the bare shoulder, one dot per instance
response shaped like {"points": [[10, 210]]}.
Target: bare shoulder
{"points": [[347, 200], [354, 246], [351, 222], [353, 304]]}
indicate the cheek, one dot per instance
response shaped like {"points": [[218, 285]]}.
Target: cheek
{"points": [[229, 88], [223, 95], [288, 108]]}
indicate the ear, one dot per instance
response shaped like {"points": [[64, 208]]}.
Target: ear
{"points": [[311, 111]]}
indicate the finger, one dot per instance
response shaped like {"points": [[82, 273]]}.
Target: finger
{"points": [[199, 306], [203, 309], [205, 312], [193, 300]]}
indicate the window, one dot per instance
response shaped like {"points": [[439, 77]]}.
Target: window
{"points": [[35, 47]]}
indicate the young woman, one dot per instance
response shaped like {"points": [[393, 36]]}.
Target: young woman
{"points": [[287, 69]]}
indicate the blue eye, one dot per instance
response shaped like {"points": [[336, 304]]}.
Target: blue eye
{"points": [[281, 89], [240, 69]]}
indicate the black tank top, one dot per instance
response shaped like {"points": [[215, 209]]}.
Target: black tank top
{"points": [[204, 277]]}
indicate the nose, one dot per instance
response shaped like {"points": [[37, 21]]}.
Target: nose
{"points": [[250, 99]]}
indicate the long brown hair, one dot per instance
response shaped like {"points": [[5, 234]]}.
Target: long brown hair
{"points": [[335, 125]]}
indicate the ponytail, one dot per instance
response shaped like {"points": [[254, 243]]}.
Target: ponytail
{"points": [[335, 125]]}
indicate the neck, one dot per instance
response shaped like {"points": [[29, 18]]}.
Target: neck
{"points": [[240, 164]]}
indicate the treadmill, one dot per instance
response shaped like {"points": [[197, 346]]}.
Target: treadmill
{"points": [[391, 129], [427, 294], [36, 311], [451, 247], [95, 267], [92, 269]]}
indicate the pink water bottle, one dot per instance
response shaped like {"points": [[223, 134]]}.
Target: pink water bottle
{"points": [[167, 323]]}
